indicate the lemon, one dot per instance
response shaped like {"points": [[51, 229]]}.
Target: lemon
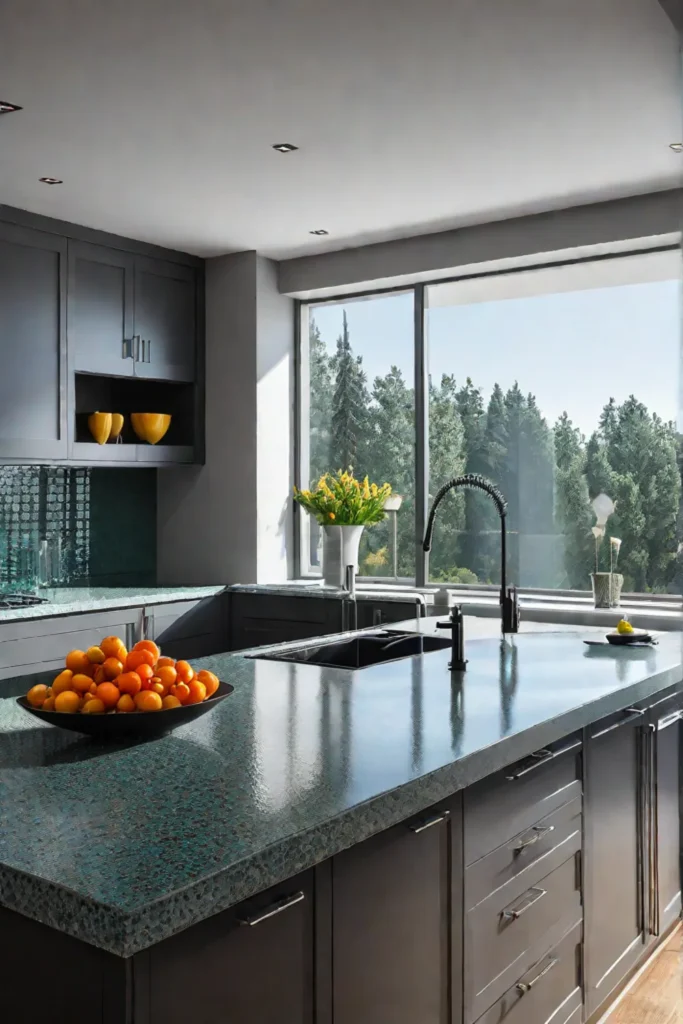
{"points": [[624, 627]]}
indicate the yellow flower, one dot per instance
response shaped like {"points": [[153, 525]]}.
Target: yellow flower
{"points": [[332, 515], [322, 482], [374, 490]]}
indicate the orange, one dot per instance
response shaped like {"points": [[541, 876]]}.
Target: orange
{"points": [[93, 707], [93, 688], [181, 691], [197, 692], [148, 645], [81, 683], [37, 695], [156, 686], [95, 654], [184, 670], [77, 661], [163, 662], [136, 658], [49, 704], [210, 681], [146, 673], [99, 675], [167, 674], [170, 702], [109, 694], [112, 668], [62, 681], [129, 682], [125, 703], [68, 701], [112, 647], [147, 700]]}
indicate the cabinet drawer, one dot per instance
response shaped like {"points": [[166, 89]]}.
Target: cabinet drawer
{"points": [[517, 856], [502, 932], [548, 993], [517, 797]]}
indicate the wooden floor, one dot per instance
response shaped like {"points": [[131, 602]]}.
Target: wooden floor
{"points": [[657, 995]]}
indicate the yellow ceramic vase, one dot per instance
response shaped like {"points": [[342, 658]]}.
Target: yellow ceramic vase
{"points": [[150, 426], [116, 426], [100, 426]]}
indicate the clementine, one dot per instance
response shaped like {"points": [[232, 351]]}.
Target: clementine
{"points": [[62, 681], [77, 661], [146, 673], [37, 695], [93, 707], [114, 647], [68, 701], [49, 704], [125, 703], [148, 645], [147, 700], [112, 667], [129, 682], [136, 658], [164, 662], [181, 691], [167, 675], [170, 702], [197, 692], [184, 670], [81, 683], [109, 694], [96, 655], [211, 681], [156, 686]]}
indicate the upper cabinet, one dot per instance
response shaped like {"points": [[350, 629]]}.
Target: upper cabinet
{"points": [[32, 341], [101, 296], [131, 316], [165, 320]]}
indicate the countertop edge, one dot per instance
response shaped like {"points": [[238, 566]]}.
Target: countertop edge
{"points": [[126, 934]]}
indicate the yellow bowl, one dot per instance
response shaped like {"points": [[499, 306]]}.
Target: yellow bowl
{"points": [[100, 426], [150, 426]]}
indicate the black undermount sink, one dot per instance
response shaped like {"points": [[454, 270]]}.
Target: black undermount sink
{"points": [[360, 651]]}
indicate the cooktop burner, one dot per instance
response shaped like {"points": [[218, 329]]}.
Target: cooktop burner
{"points": [[20, 600]]}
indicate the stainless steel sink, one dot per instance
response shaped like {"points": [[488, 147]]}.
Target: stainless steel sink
{"points": [[360, 651]]}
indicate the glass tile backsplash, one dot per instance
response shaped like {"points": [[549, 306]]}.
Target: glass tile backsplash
{"points": [[99, 525]]}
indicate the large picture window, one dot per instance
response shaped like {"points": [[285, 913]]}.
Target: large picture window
{"points": [[558, 383]]}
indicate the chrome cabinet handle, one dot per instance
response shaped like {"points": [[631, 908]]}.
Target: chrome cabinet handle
{"points": [[668, 720], [536, 759], [136, 348], [526, 986], [540, 831], [527, 901], [273, 910], [127, 348], [632, 715], [149, 350], [421, 826]]}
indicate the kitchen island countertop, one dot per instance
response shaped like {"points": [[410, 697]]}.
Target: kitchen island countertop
{"points": [[75, 600], [123, 846]]}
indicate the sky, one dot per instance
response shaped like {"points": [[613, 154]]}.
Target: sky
{"points": [[573, 350]]}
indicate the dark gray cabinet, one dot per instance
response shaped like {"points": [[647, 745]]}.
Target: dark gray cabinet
{"points": [[615, 850], [189, 629], [390, 927], [32, 341], [253, 962], [664, 818], [257, 620], [101, 322], [165, 320]]}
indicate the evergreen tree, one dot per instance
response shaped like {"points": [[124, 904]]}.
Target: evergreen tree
{"points": [[446, 460], [320, 403], [349, 420], [572, 505]]}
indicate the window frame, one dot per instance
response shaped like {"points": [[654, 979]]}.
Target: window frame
{"points": [[421, 386]]}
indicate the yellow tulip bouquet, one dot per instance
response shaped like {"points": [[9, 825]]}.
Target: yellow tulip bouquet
{"points": [[341, 500]]}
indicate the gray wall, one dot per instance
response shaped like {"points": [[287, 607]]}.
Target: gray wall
{"points": [[229, 520], [445, 253]]}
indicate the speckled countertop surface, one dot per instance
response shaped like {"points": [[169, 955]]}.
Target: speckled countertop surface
{"points": [[72, 600], [123, 846]]}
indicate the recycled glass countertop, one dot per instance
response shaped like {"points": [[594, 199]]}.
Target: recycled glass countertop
{"points": [[73, 600]]}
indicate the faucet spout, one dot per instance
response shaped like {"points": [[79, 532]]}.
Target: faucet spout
{"points": [[509, 603]]}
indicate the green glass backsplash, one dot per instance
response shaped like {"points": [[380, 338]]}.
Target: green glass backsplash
{"points": [[105, 520]]}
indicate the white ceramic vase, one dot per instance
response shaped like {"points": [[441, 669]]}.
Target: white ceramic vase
{"points": [[340, 548]]}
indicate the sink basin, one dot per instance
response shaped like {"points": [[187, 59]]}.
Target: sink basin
{"points": [[360, 651]]}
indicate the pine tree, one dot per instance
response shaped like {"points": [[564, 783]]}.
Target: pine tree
{"points": [[446, 460], [349, 420], [572, 505], [320, 403]]}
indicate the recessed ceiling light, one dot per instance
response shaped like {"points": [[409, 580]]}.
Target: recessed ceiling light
{"points": [[676, 146], [285, 147], [319, 231], [51, 181], [8, 108]]}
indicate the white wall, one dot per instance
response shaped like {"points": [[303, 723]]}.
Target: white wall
{"points": [[229, 521]]}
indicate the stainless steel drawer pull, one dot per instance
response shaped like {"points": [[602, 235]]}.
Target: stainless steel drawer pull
{"points": [[274, 909], [539, 832], [668, 720], [535, 760], [527, 901], [526, 986], [420, 826], [631, 714]]}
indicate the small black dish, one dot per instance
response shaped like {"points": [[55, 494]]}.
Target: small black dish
{"points": [[639, 636], [136, 723]]}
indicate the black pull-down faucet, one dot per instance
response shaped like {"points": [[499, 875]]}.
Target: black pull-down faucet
{"points": [[509, 605]]}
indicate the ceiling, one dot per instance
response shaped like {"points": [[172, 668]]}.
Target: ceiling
{"points": [[410, 115]]}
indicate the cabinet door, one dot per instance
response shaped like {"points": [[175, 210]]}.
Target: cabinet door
{"points": [[252, 963], [100, 324], [614, 808], [189, 629], [665, 818], [390, 927], [165, 319], [33, 344]]}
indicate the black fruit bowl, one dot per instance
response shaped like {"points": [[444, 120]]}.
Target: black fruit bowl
{"points": [[135, 723]]}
